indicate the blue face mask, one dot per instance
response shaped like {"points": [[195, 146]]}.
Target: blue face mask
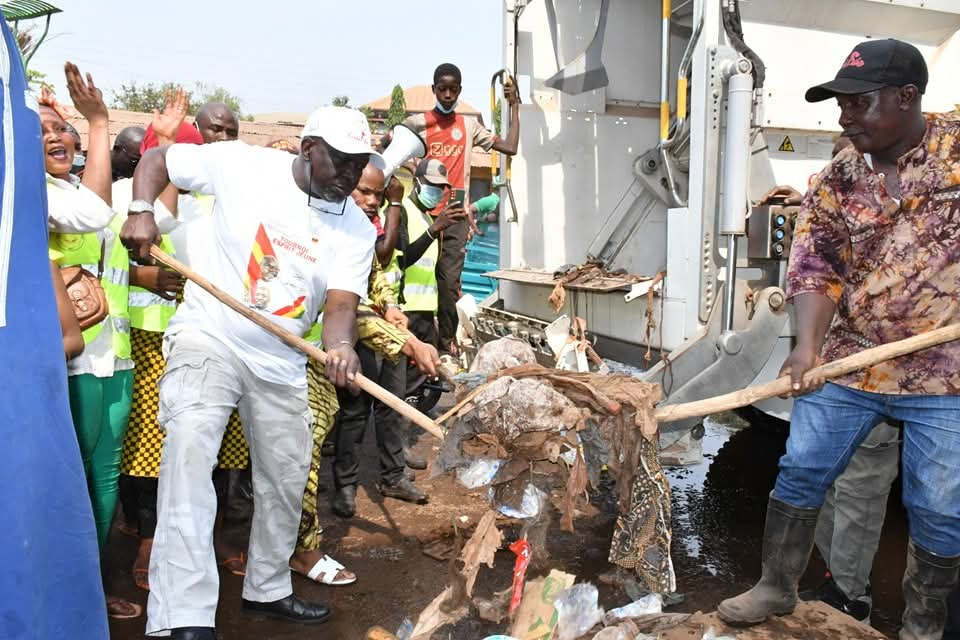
{"points": [[430, 195], [447, 112]]}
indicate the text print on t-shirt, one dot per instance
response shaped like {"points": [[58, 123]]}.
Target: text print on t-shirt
{"points": [[274, 282]]}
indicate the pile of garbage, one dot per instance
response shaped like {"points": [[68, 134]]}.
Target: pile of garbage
{"points": [[538, 436]]}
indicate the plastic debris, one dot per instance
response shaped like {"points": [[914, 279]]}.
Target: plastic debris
{"points": [[577, 610], [405, 630], [647, 605], [530, 506], [478, 473], [522, 550]]}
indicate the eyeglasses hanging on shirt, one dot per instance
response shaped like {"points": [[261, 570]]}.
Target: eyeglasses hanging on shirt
{"points": [[332, 208]]}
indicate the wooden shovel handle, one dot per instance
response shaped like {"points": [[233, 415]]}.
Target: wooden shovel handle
{"points": [[297, 342], [781, 386]]}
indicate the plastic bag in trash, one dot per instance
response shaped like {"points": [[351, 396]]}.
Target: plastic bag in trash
{"points": [[478, 473], [405, 631], [646, 605], [712, 635], [577, 611], [502, 354], [530, 506]]}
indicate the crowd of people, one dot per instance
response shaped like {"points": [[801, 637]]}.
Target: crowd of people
{"points": [[171, 392]]}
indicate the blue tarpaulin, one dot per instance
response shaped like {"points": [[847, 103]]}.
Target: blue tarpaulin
{"points": [[50, 583]]}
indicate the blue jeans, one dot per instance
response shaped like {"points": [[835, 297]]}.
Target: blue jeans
{"points": [[828, 425]]}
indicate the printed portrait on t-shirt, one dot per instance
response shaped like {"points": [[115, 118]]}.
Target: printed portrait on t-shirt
{"points": [[274, 282]]}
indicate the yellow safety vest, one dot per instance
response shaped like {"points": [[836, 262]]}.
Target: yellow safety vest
{"points": [[70, 249], [392, 274], [420, 278], [148, 311]]}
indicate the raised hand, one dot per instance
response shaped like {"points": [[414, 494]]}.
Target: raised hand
{"points": [[167, 123], [511, 94], [87, 98]]}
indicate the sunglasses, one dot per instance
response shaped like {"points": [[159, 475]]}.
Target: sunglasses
{"points": [[340, 158]]}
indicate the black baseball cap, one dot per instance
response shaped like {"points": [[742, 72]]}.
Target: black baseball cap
{"points": [[872, 65]]}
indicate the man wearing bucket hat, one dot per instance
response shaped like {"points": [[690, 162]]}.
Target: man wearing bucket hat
{"points": [[288, 240], [875, 259]]}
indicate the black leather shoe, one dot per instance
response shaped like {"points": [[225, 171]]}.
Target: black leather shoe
{"points": [[193, 633], [345, 502], [290, 608], [402, 489], [414, 461], [409, 474]]}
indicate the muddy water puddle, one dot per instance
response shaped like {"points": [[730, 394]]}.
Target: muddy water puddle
{"points": [[719, 508]]}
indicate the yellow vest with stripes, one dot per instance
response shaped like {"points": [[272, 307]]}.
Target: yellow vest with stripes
{"points": [[420, 278], [70, 249], [148, 311]]}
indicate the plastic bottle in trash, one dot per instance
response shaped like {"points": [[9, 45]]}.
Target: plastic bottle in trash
{"points": [[646, 605]]}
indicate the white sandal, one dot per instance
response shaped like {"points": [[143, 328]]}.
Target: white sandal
{"points": [[325, 571]]}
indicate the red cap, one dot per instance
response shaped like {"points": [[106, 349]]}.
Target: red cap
{"points": [[186, 134]]}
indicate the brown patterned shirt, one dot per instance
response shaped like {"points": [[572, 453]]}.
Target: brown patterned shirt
{"points": [[892, 268]]}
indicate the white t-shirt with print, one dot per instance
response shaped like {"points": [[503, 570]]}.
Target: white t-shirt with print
{"points": [[268, 249]]}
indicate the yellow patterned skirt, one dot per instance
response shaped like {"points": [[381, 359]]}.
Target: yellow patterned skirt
{"points": [[143, 441]]}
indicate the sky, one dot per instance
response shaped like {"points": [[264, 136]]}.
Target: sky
{"points": [[294, 56]]}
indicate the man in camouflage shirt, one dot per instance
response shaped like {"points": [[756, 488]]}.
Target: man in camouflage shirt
{"points": [[875, 258]]}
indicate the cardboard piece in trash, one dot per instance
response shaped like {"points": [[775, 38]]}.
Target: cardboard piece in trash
{"points": [[536, 617]]}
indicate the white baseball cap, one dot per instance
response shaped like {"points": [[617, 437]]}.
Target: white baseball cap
{"points": [[345, 130]]}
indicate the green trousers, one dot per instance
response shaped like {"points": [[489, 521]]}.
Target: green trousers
{"points": [[100, 408]]}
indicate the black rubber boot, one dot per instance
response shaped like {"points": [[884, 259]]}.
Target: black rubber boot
{"points": [[927, 582], [787, 543]]}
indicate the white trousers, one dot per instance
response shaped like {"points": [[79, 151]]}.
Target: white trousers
{"points": [[202, 384]]}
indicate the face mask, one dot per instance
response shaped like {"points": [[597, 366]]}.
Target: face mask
{"points": [[447, 112], [79, 161], [430, 195]]}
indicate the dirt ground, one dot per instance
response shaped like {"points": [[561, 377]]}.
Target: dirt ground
{"points": [[718, 520]]}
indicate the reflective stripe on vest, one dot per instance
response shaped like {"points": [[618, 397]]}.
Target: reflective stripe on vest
{"points": [[148, 311], [392, 274], [420, 278]]}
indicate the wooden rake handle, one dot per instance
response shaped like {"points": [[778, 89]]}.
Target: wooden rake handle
{"points": [[297, 342], [782, 386]]}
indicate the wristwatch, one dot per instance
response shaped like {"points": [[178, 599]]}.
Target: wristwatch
{"points": [[139, 206], [395, 204]]}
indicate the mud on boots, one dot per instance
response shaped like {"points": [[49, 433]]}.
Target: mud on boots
{"points": [[927, 581], [787, 543]]}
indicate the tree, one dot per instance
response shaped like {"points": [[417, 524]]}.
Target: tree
{"points": [[497, 115], [216, 93], [341, 101], [149, 97], [37, 80], [146, 98], [397, 112]]}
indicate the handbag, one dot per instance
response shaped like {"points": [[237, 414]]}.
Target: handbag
{"points": [[86, 293]]}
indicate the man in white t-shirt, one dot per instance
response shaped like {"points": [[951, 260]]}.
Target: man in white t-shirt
{"points": [[288, 240]]}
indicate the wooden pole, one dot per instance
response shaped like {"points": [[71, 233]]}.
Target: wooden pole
{"points": [[297, 342], [782, 386]]}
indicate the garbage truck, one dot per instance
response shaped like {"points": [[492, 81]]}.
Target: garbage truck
{"points": [[649, 131]]}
